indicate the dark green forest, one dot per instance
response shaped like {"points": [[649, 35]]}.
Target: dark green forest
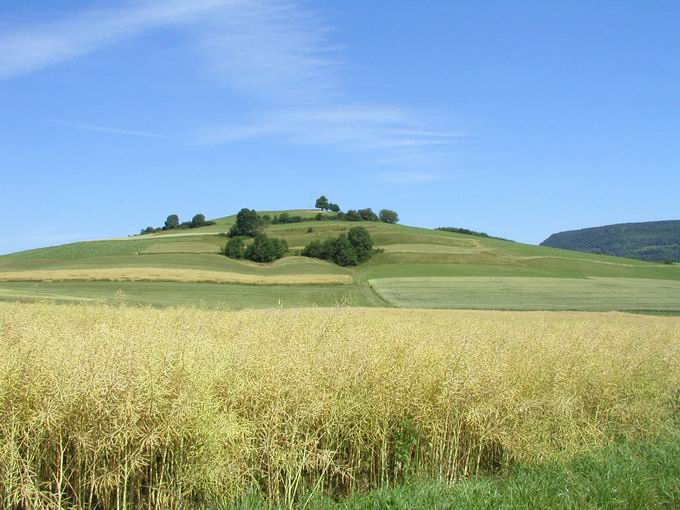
{"points": [[657, 241]]}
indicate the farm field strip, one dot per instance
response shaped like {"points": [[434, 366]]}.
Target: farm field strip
{"points": [[430, 248], [519, 293], [182, 247], [137, 274], [201, 295]]}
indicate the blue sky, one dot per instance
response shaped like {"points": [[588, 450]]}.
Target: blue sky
{"points": [[516, 118]]}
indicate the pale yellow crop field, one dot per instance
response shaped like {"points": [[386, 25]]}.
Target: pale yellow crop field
{"points": [[164, 274], [119, 406]]}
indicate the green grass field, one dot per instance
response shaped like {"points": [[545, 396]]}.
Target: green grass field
{"points": [[208, 295], [628, 474], [521, 293], [418, 267]]}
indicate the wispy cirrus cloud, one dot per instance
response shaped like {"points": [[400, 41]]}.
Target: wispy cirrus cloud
{"points": [[409, 177], [270, 47], [27, 49], [116, 131], [279, 51], [273, 48], [349, 127]]}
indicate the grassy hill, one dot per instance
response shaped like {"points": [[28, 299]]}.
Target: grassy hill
{"points": [[652, 240], [418, 268]]}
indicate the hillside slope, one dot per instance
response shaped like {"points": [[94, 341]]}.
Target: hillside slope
{"points": [[417, 267], [652, 240]]}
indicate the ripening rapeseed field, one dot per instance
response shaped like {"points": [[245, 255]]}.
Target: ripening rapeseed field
{"points": [[113, 406]]}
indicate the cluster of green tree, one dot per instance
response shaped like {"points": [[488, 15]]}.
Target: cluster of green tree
{"points": [[323, 204], [248, 224], [348, 249], [657, 241], [367, 214], [285, 217], [385, 215], [262, 249], [172, 222], [469, 232]]}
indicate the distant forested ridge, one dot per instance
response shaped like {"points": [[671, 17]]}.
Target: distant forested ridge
{"points": [[652, 240]]}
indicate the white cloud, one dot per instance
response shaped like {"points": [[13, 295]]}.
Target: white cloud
{"points": [[273, 48], [278, 50], [28, 49]]}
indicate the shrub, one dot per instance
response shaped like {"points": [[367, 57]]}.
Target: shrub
{"points": [[235, 248], [266, 249], [315, 249], [388, 216]]}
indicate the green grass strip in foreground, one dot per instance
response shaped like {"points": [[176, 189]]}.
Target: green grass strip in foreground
{"points": [[627, 475]]}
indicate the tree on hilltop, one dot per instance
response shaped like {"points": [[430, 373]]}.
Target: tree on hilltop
{"points": [[333, 207], [321, 203], [352, 215], [368, 214], [388, 216], [198, 221], [171, 222]]}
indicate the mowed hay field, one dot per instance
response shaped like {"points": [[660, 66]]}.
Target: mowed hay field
{"points": [[201, 295], [114, 406], [516, 293]]}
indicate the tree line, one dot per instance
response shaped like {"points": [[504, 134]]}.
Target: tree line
{"points": [[467, 231], [172, 222], [385, 215]]}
